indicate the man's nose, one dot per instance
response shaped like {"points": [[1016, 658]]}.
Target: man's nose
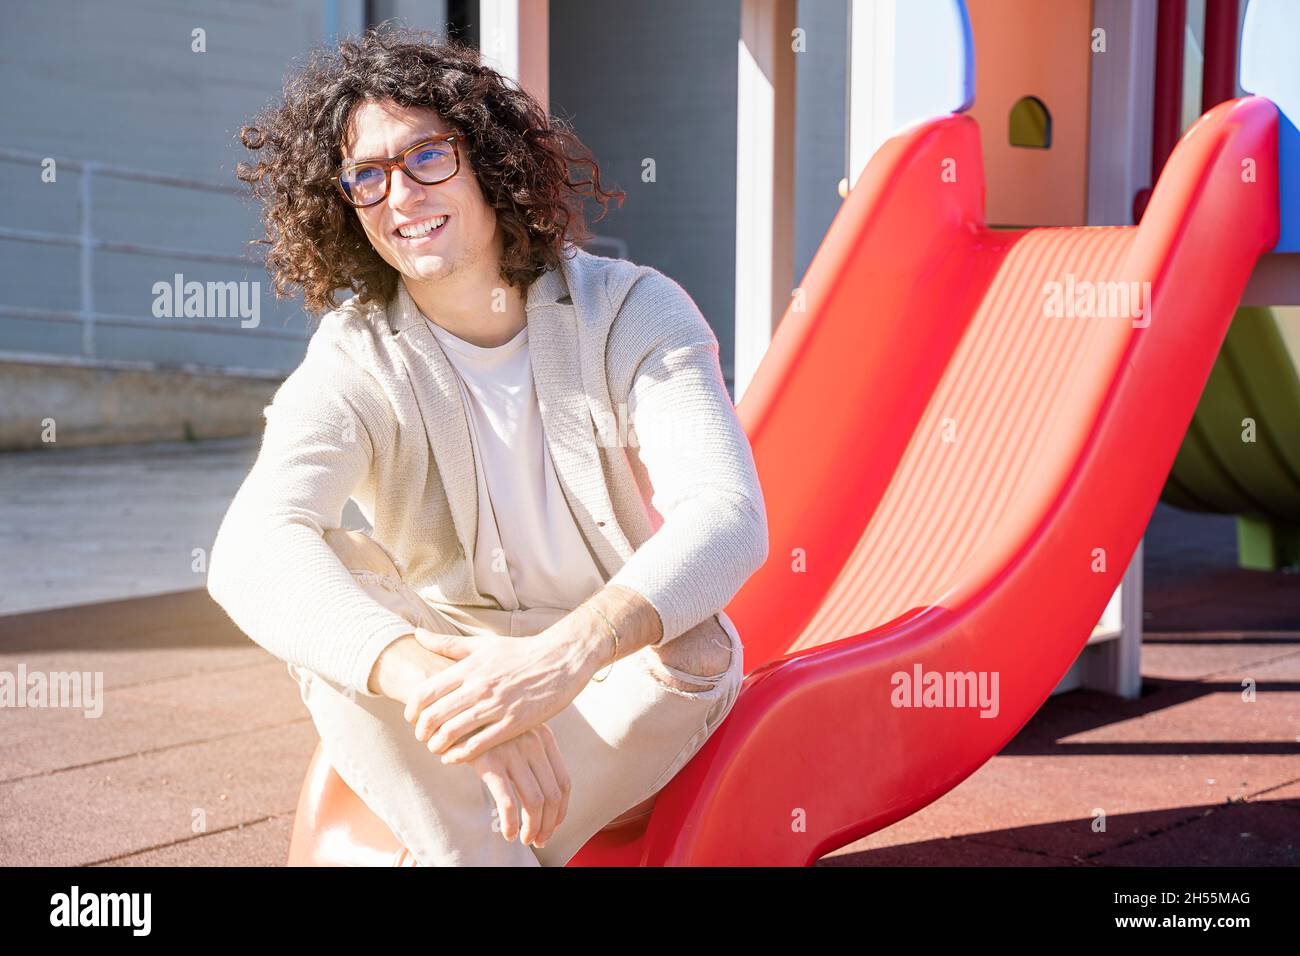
{"points": [[404, 192]]}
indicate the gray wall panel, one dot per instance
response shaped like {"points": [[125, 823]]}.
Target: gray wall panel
{"points": [[821, 124], [118, 83], [658, 80]]}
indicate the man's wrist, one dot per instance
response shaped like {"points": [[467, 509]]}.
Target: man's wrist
{"points": [[617, 610], [605, 648], [401, 666]]}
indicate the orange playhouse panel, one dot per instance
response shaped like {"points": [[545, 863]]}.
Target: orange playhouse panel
{"points": [[1031, 48]]}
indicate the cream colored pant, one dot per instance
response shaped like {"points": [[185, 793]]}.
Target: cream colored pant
{"points": [[622, 739]]}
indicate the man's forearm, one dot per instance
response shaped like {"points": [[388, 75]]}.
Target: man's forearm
{"points": [[632, 616], [406, 662], [402, 665]]}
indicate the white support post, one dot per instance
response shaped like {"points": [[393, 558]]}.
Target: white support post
{"points": [[907, 62], [514, 38], [1122, 91], [87, 259], [764, 179], [1119, 164], [871, 80]]}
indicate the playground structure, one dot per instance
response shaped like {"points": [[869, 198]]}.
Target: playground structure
{"points": [[957, 475], [1241, 454]]}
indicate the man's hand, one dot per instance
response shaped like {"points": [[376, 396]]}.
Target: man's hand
{"points": [[527, 778], [525, 775], [478, 692], [498, 687]]}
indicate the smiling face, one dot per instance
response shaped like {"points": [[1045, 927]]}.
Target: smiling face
{"points": [[398, 227]]}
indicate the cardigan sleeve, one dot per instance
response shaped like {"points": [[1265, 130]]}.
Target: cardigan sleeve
{"points": [[696, 454], [271, 569]]}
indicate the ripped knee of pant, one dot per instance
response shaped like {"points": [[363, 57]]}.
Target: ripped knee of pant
{"points": [[680, 681]]}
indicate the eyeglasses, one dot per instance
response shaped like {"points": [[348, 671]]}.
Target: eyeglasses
{"points": [[429, 161]]}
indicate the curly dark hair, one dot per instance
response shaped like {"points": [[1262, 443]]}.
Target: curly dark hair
{"points": [[520, 155]]}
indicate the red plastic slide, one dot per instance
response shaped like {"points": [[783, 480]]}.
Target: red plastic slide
{"points": [[961, 434]]}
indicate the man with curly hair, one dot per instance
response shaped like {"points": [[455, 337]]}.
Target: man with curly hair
{"points": [[530, 641]]}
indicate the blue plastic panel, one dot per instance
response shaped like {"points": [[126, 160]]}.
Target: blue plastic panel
{"points": [[1270, 66]]}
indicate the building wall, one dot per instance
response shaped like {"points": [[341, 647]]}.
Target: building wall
{"points": [[121, 84], [821, 128], [658, 81], [47, 405]]}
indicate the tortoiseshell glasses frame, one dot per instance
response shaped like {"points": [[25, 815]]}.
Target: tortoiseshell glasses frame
{"points": [[349, 172]]}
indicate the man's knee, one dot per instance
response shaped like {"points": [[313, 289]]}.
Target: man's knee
{"points": [[704, 651], [359, 552]]}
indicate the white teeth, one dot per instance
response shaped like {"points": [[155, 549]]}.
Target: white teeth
{"points": [[421, 228]]}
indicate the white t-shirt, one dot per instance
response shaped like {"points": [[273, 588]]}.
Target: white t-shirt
{"points": [[529, 551]]}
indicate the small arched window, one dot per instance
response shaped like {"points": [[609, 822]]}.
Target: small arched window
{"points": [[1030, 124]]}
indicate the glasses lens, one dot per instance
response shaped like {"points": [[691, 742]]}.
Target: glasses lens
{"points": [[432, 162], [364, 185]]}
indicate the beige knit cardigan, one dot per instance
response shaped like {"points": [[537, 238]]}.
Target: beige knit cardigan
{"points": [[645, 440]]}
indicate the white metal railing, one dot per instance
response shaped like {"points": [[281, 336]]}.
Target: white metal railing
{"points": [[88, 243]]}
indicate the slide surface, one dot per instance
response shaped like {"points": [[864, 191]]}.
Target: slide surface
{"points": [[961, 434]]}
